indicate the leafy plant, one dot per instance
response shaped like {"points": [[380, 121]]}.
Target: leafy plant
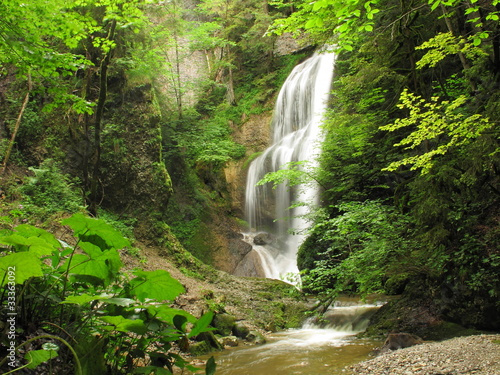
{"points": [[365, 242], [441, 125], [50, 191], [100, 314]]}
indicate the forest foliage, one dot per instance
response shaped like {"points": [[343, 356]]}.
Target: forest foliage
{"points": [[98, 106], [409, 165], [103, 112]]}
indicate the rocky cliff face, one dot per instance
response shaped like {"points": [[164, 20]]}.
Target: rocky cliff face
{"points": [[255, 135], [220, 233]]}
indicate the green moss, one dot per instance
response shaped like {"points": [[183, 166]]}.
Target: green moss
{"points": [[251, 158], [447, 330], [200, 348]]}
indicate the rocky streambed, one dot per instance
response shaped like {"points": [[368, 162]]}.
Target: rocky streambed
{"points": [[479, 355]]}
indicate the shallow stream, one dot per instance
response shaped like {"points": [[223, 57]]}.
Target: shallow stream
{"points": [[316, 348]]}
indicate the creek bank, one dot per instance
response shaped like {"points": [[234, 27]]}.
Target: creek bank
{"points": [[479, 355], [245, 308]]}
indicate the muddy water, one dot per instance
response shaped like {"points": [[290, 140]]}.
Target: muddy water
{"points": [[317, 348], [302, 351]]}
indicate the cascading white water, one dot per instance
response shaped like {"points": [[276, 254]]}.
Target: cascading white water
{"points": [[296, 130], [324, 346]]}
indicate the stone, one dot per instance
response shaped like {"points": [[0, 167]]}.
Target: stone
{"points": [[240, 330], [210, 339], [231, 341], [262, 239], [256, 338], [401, 340], [223, 324]]}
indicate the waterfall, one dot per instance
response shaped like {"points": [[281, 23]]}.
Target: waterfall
{"points": [[275, 230]]}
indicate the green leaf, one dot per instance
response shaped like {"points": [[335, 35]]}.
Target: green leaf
{"points": [[122, 324], [211, 366], [50, 346], [158, 285], [96, 232], [166, 313], [180, 322], [81, 264], [19, 267], [26, 230], [105, 266], [36, 357], [37, 245], [202, 325], [82, 299]]}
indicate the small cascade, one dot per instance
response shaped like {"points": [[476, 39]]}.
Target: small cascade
{"points": [[344, 316], [296, 130], [320, 346]]}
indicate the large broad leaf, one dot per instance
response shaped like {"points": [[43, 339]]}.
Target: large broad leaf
{"points": [[82, 299], [19, 267], [96, 232], [104, 266], [81, 264], [158, 285], [202, 324], [166, 314], [29, 238], [37, 245], [122, 324], [210, 367], [36, 357], [26, 230]]}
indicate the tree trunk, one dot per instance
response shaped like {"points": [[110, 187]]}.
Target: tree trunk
{"points": [[16, 126], [103, 91]]}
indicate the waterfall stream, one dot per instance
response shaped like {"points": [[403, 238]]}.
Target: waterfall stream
{"points": [[316, 348], [275, 232]]}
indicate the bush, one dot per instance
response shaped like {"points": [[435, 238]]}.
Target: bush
{"points": [[83, 311], [50, 191]]}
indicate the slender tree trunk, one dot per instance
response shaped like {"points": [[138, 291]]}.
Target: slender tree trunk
{"points": [[231, 98], [103, 91], [178, 80], [16, 126], [461, 56]]}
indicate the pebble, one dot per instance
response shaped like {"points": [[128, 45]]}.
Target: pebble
{"points": [[478, 355]]}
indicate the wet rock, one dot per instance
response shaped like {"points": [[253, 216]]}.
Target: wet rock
{"points": [[255, 338], [250, 266], [200, 348], [223, 323], [210, 339], [230, 341], [262, 239], [240, 330], [239, 248]]}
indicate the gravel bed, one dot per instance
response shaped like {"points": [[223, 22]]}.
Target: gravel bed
{"points": [[478, 355]]}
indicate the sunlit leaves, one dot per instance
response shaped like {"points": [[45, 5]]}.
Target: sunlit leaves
{"points": [[119, 323], [37, 357], [331, 19], [19, 267], [157, 285], [96, 232], [443, 123]]}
